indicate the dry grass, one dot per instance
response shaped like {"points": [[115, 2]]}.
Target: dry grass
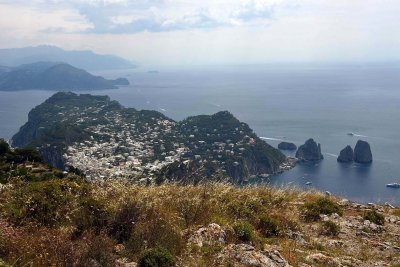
{"points": [[93, 218]]}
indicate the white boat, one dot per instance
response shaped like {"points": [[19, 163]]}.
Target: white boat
{"points": [[309, 183], [393, 185]]}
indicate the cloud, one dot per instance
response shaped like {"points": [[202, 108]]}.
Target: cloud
{"points": [[133, 16], [220, 31], [158, 16], [26, 20]]}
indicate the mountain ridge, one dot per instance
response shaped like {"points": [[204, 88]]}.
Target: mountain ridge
{"points": [[85, 59]]}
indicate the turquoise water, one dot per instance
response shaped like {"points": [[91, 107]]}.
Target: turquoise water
{"points": [[291, 103]]}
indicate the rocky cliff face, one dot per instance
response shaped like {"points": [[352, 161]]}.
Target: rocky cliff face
{"points": [[346, 155], [287, 146], [362, 152], [310, 151]]}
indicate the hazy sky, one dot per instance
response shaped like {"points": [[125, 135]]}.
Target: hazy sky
{"points": [[209, 31]]}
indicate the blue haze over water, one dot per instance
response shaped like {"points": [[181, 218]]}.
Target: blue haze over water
{"points": [[280, 102]]}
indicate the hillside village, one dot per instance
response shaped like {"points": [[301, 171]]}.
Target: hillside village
{"points": [[105, 140]]}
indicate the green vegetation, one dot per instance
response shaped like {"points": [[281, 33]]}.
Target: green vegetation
{"points": [[374, 217], [311, 210], [244, 231], [46, 203], [26, 164], [158, 257], [330, 228], [268, 226]]}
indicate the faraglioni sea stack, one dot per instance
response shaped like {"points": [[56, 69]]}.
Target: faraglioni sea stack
{"points": [[362, 152], [310, 151], [346, 155]]}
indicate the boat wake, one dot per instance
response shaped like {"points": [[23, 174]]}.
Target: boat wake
{"points": [[356, 135], [332, 155], [272, 138]]}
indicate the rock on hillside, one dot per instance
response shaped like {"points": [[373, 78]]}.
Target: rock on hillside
{"points": [[362, 152], [310, 151]]}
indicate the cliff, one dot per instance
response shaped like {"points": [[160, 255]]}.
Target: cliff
{"points": [[310, 151], [346, 155], [362, 152]]}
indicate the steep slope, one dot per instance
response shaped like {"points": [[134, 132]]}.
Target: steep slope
{"points": [[104, 139]]}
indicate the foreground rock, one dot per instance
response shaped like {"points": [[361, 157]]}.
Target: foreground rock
{"points": [[210, 235], [247, 255], [362, 152], [310, 151], [287, 146], [346, 155]]}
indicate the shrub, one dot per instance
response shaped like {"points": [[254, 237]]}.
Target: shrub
{"points": [[158, 257], [46, 203], [92, 215], [4, 147], [122, 225], [243, 231], [375, 217], [322, 205], [155, 231], [330, 228], [268, 226], [27, 154], [4, 243], [99, 252]]}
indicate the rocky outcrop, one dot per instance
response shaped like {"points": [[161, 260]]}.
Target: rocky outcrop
{"points": [[247, 255], [287, 146], [209, 235], [346, 155], [362, 152], [310, 151]]}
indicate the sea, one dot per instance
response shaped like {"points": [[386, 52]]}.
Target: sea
{"points": [[280, 102]]}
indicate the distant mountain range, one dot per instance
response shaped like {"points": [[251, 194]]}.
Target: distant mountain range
{"points": [[53, 76], [80, 59]]}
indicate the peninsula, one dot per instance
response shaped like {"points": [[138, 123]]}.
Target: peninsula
{"points": [[53, 76]]}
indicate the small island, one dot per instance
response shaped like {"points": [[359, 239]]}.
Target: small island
{"points": [[287, 146]]}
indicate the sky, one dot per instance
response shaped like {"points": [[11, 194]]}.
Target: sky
{"points": [[203, 32]]}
